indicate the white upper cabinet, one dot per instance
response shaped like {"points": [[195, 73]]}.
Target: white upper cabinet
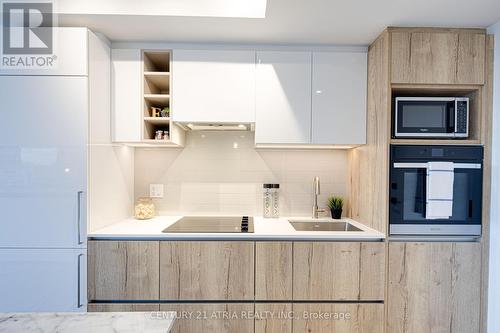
{"points": [[213, 86], [283, 98], [339, 84], [126, 94], [69, 56]]}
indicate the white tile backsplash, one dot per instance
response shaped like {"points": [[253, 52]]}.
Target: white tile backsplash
{"points": [[222, 173]]}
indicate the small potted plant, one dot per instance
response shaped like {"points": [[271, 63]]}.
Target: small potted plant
{"points": [[335, 204], [165, 112]]}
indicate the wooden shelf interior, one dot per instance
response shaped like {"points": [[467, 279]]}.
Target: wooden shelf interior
{"points": [[157, 120], [156, 61], [472, 92], [150, 129], [160, 99], [156, 92], [156, 83], [157, 101]]}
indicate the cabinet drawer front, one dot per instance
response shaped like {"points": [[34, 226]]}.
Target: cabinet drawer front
{"points": [[206, 270], [338, 271], [123, 270], [208, 318], [123, 307], [338, 318], [273, 275], [434, 287], [273, 317]]}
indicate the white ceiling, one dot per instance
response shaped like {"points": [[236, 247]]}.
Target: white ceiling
{"points": [[340, 22]]}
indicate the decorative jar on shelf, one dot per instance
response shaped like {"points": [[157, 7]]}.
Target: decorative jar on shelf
{"points": [[144, 209]]}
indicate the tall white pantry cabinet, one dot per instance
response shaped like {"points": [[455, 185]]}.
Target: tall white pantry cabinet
{"points": [[44, 158]]}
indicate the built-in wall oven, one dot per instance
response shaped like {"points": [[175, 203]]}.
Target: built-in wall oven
{"points": [[435, 190]]}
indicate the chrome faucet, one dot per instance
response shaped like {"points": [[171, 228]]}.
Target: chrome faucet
{"points": [[316, 191]]}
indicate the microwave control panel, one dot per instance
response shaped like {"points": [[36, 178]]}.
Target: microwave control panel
{"points": [[462, 114]]}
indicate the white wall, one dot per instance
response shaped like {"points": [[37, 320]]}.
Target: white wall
{"points": [[494, 271], [222, 173]]}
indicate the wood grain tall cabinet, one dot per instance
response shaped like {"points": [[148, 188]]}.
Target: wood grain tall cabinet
{"points": [[426, 61]]}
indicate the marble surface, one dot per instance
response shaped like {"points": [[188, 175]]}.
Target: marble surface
{"points": [[264, 229], [117, 322]]}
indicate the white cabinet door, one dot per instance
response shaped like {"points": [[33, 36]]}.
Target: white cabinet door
{"points": [[43, 161], [47, 280], [213, 86], [126, 94], [283, 98], [339, 98], [70, 55], [99, 90]]}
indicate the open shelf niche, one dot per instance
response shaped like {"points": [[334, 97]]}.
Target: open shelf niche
{"points": [[472, 92], [156, 100]]}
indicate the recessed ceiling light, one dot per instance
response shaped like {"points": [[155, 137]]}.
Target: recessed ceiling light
{"points": [[206, 8]]}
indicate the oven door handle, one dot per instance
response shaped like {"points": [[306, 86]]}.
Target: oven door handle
{"points": [[398, 165]]}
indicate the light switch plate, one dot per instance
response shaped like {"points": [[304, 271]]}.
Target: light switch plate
{"points": [[156, 190]]}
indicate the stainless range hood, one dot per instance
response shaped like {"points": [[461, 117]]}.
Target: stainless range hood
{"points": [[218, 127]]}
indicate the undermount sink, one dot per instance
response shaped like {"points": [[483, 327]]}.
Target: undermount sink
{"points": [[314, 225]]}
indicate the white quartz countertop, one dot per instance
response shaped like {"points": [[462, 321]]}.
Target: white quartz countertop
{"points": [[264, 229], [118, 322]]}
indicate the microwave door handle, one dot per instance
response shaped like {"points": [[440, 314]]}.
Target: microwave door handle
{"points": [[452, 108]]}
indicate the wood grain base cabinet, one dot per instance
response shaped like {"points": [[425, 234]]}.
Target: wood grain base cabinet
{"points": [[273, 271], [343, 318], [273, 317], [211, 318], [338, 271], [123, 270], [236, 270], [434, 287], [208, 270], [123, 307]]}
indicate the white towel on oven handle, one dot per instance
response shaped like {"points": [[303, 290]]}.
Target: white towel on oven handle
{"points": [[439, 194]]}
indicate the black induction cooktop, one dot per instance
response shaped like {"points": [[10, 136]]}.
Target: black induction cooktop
{"points": [[212, 224]]}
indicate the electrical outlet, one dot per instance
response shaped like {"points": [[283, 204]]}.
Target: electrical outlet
{"points": [[156, 190]]}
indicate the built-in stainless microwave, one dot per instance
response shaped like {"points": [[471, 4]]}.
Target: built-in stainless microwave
{"points": [[431, 117]]}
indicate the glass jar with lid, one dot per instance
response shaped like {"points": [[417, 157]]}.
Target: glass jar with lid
{"points": [[267, 200], [276, 200], [144, 208], [271, 201]]}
